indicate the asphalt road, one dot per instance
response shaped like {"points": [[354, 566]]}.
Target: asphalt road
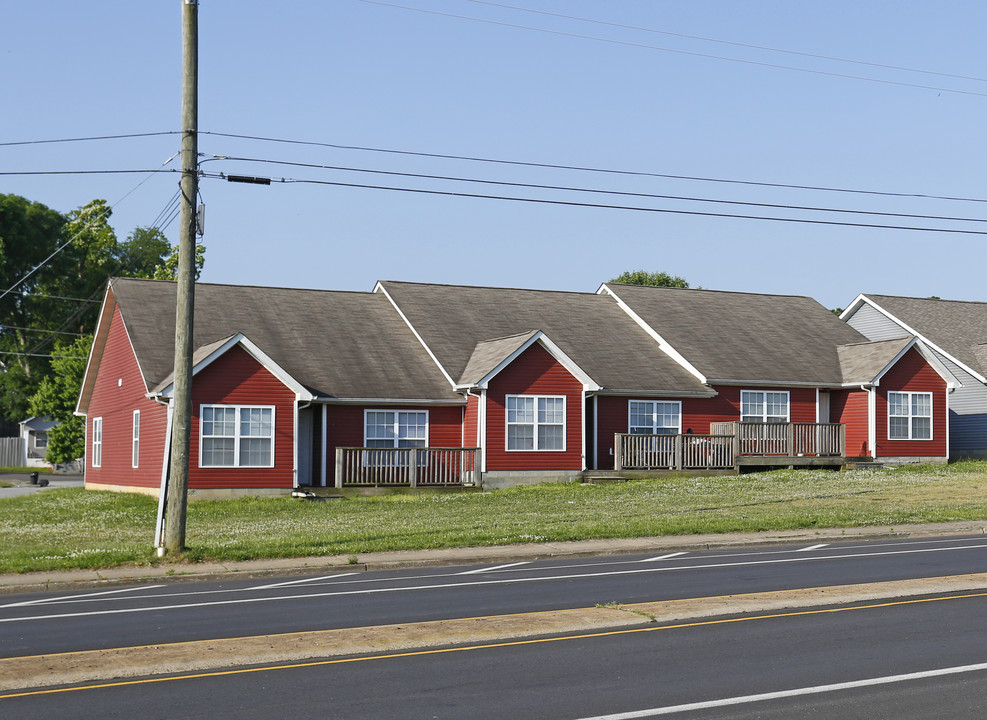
{"points": [[37, 623], [924, 654]]}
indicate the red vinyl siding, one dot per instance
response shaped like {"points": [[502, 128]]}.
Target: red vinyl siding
{"points": [[697, 413], [913, 374], [534, 372], [237, 378], [117, 392], [471, 433], [850, 408], [345, 428]]}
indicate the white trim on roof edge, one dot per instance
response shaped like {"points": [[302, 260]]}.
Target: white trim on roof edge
{"points": [[663, 344], [952, 382], [380, 288], [589, 385], [257, 354], [862, 299]]}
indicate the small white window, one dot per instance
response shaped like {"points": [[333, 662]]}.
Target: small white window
{"points": [[535, 422], [909, 416], [764, 407], [135, 451], [236, 436], [394, 429], [654, 417], [97, 460]]}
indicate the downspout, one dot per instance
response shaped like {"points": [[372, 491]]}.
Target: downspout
{"points": [[582, 423], [481, 421], [871, 420]]}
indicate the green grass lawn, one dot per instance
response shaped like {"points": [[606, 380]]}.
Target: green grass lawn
{"points": [[75, 528]]}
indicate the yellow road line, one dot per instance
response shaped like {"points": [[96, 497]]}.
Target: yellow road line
{"points": [[512, 643]]}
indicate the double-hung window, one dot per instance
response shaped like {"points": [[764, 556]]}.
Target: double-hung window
{"points": [[535, 422], [654, 417], [909, 416], [764, 407], [236, 436], [394, 429], [97, 459]]}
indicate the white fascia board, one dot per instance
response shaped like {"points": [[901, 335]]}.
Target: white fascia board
{"points": [[912, 331], [589, 385], [775, 383], [663, 344], [92, 350], [952, 382], [659, 393], [257, 354], [853, 307], [388, 401], [379, 288]]}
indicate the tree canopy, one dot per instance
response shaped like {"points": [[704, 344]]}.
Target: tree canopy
{"points": [[656, 279], [55, 269]]}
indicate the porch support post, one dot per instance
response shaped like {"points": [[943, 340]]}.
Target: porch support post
{"points": [[790, 440], [678, 451], [618, 459], [413, 470], [337, 480]]}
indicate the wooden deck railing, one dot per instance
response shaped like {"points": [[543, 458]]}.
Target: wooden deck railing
{"points": [[410, 467], [672, 452], [785, 439]]}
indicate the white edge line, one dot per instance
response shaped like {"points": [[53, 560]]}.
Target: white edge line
{"points": [[298, 582], [664, 557], [76, 597], [744, 699], [812, 547], [574, 576], [495, 567]]}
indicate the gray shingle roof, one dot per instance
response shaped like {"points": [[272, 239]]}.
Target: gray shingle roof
{"points": [[337, 344], [590, 329], [745, 337], [956, 326], [489, 354], [862, 362]]}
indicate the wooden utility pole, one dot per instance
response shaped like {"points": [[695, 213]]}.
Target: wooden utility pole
{"points": [[177, 485]]}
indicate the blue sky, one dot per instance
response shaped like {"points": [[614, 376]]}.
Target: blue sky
{"points": [[571, 92]]}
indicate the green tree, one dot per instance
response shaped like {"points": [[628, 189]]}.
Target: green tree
{"points": [[144, 250], [168, 270], [59, 298], [656, 279], [57, 396]]}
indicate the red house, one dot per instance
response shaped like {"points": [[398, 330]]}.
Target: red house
{"points": [[435, 385]]}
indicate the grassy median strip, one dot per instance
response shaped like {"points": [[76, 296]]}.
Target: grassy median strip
{"points": [[75, 528]]}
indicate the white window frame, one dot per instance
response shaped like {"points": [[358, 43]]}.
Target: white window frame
{"points": [[910, 415], [763, 417], [97, 442], [394, 440], [237, 437], [535, 424], [135, 450], [654, 427], [395, 437]]}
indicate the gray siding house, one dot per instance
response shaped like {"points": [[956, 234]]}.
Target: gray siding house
{"points": [[956, 331]]}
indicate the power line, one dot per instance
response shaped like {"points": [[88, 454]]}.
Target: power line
{"points": [[37, 330], [622, 193], [729, 42], [581, 168], [61, 357], [84, 172], [84, 139], [570, 203], [673, 50]]}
